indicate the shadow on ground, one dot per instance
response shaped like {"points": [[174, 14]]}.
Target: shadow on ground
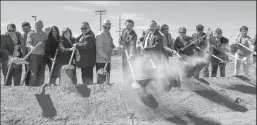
{"points": [[221, 99], [243, 88]]}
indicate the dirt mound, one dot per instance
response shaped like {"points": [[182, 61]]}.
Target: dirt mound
{"points": [[196, 102]]}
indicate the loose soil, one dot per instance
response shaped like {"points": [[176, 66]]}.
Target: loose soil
{"points": [[205, 101]]}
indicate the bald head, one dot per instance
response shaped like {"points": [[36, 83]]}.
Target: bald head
{"points": [[39, 25]]}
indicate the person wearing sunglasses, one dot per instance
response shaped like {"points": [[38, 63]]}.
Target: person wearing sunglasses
{"points": [[169, 41], [128, 40], [220, 47], [26, 29], [202, 44], [104, 47], [242, 52], [86, 53], [11, 51], [181, 41], [36, 60]]}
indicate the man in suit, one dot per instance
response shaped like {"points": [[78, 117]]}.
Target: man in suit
{"points": [[202, 44], [86, 53], [128, 41], [221, 46], [26, 29], [12, 51], [152, 42]]}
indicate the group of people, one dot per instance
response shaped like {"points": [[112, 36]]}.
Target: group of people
{"points": [[96, 50]]}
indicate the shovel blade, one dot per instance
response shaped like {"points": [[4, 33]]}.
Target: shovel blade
{"points": [[147, 99], [46, 104], [83, 90]]}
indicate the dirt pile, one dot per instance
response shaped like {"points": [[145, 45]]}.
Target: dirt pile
{"points": [[196, 102]]}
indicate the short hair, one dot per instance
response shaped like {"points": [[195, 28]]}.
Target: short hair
{"points": [[85, 23], [182, 29], [39, 21], [11, 25], [25, 24], [199, 26], [163, 27], [243, 28], [130, 21], [152, 21], [218, 30]]}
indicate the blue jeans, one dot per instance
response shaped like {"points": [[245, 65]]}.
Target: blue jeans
{"points": [[37, 65]]}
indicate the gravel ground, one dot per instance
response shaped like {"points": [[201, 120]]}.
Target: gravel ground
{"points": [[208, 101]]}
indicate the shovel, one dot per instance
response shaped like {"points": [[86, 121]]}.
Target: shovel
{"points": [[44, 100], [139, 86], [103, 72]]}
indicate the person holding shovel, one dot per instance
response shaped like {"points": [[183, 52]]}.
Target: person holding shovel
{"points": [[26, 29], [242, 52], [128, 41], [52, 44], [11, 52], [37, 61], [221, 46], [169, 41], [86, 53], [202, 44], [181, 41], [104, 47]]}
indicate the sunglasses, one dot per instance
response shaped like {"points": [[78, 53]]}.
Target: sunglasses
{"points": [[11, 30], [85, 28], [182, 32], [107, 27], [200, 29]]}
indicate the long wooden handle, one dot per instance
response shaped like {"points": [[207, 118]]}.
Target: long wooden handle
{"points": [[231, 55], [39, 43], [130, 66], [71, 58], [8, 73], [105, 66], [194, 42], [247, 48], [52, 67]]}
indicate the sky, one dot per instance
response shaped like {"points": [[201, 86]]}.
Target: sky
{"points": [[227, 15]]}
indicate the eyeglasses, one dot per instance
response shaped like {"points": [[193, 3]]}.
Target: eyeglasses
{"points": [[182, 32], [11, 30], [85, 28], [200, 29], [166, 28], [106, 27]]}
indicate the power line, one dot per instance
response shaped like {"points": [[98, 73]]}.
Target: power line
{"points": [[101, 12]]}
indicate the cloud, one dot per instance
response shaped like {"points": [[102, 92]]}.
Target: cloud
{"points": [[102, 3], [77, 9]]}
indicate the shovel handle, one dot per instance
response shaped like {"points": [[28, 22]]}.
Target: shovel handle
{"points": [[8, 73], [39, 43], [130, 66], [246, 48], [52, 67], [193, 42], [105, 66], [73, 52]]}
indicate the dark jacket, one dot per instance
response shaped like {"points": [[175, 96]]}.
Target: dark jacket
{"points": [[8, 46], [155, 44], [202, 43], [1, 45], [51, 46], [64, 54], [179, 43], [221, 45], [128, 41], [86, 50]]}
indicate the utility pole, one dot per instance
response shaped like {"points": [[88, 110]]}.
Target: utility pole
{"points": [[35, 18], [101, 12]]}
